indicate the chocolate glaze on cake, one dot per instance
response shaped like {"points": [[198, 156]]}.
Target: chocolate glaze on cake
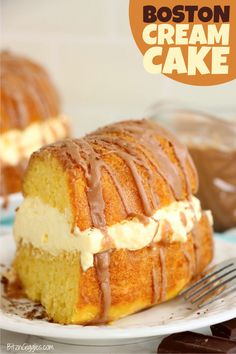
{"points": [[136, 143]]}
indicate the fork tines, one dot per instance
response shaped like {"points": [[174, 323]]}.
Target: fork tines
{"points": [[217, 281]]}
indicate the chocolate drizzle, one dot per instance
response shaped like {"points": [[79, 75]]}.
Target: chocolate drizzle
{"points": [[196, 247], [163, 274], [155, 282], [159, 287], [148, 151], [189, 260], [80, 152], [155, 286], [127, 152], [102, 262], [148, 134]]}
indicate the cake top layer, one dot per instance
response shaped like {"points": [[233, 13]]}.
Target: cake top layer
{"points": [[123, 170], [27, 93]]}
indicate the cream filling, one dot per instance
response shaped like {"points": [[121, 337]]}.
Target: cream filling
{"points": [[16, 145], [47, 229]]}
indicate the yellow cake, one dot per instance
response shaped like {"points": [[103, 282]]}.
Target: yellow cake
{"points": [[109, 224]]}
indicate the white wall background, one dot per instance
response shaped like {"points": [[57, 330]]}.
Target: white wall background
{"points": [[87, 47]]}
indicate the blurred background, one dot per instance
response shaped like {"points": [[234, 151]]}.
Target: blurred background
{"points": [[89, 51]]}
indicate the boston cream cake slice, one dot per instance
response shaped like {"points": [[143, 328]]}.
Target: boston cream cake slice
{"points": [[109, 224]]}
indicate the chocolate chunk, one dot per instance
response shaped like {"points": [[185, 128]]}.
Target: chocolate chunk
{"points": [[225, 329], [190, 342]]}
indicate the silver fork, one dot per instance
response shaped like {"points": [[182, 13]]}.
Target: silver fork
{"points": [[216, 282]]}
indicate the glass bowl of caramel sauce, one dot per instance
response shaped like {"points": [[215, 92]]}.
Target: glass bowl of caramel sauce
{"points": [[212, 144]]}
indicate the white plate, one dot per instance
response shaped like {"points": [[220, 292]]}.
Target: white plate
{"points": [[173, 316], [14, 200]]}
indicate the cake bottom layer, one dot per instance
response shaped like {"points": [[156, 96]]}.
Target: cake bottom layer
{"points": [[132, 280]]}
